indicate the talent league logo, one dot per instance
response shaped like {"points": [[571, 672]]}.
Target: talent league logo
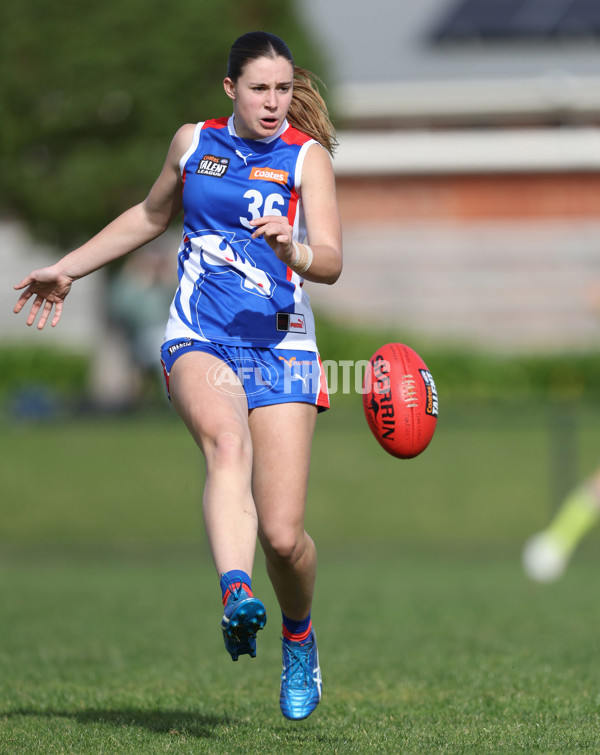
{"points": [[211, 165]]}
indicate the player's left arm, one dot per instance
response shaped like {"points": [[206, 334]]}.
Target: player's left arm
{"points": [[323, 226]]}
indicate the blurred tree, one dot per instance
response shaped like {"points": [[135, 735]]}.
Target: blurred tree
{"points": [[92, 93]]}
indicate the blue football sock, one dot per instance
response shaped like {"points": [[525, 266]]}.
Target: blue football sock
{"points": [[233, 578], [296, 630]]}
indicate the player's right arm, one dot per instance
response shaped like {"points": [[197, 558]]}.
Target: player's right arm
{"points": [[132, 229]]}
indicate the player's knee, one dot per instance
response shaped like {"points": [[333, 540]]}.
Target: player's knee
{"points": [[229, 449], [285, 546]]}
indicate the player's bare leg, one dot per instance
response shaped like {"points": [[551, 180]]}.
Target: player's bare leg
{"points": [[218, 421], [282, 437]]}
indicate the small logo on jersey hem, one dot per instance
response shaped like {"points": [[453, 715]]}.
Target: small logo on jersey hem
{"points": [[290, 322], [270, 174], [211, 165]]}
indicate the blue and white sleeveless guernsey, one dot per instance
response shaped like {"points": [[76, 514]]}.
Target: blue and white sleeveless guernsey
{"points": [[232, 288]]}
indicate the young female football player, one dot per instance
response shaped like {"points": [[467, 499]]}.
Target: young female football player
{"points": [[240, 357]]}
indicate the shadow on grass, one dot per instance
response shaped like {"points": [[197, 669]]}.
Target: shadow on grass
{"points": [[159, 721]]}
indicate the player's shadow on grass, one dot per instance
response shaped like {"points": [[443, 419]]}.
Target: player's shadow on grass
{"points": [[172, 722]]}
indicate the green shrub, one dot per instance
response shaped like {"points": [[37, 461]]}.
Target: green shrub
{"points": [[468, 374], [460, 374], [22, 368]]}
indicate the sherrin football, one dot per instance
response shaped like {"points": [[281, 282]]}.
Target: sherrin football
{"points": [[400, 400]]}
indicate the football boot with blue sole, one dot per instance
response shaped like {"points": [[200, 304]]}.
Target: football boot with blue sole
{"points": [[243, 617]]}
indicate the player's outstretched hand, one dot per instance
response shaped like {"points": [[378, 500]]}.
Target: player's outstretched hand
{"points": [[49, 286]]}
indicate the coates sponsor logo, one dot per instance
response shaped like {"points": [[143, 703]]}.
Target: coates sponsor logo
{"points": [[269, 174], [431, 404], [211, 165]]}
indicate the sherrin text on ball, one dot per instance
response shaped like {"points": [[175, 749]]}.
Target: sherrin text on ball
{"points": [[400, 400]]}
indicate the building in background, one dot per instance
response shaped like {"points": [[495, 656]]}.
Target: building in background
{"points": [[468, 168], [468, 174]]}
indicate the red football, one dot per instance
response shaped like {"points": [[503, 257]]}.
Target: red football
{"points": [[400, 400]]}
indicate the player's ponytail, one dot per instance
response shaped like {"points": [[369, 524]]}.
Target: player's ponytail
{"points": [[308, 111]]}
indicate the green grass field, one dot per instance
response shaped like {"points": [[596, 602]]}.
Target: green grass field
{"points": [[431, 640]]}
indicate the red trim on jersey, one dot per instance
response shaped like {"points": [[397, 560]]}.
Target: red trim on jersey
{"points": [[293, 206], [293, 136], [291, 216], [215, 123]]}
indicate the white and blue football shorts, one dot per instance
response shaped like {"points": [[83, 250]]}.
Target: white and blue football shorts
{"points": [[268, 376]]}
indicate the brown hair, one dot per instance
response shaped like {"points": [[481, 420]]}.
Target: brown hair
{"points": [[308, 111]]}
